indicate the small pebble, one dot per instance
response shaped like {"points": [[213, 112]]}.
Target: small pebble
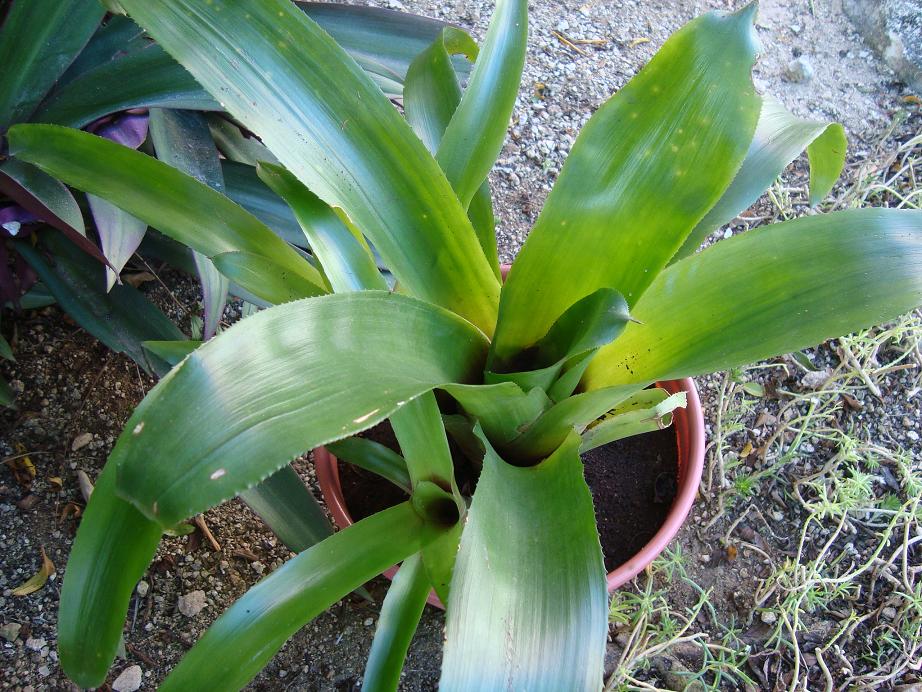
{"points": [[129, 680], [44, 671], [35, 644], [192, 603], [81, 441], [889, 613], [768, 617], [799, 70], [143, 588], [10, 631], [369, 622]]}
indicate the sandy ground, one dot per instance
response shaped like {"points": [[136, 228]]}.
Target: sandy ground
{"points": [[72, 387]]}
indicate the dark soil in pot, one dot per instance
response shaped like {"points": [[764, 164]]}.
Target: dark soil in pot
{"points": [[633, 483]]}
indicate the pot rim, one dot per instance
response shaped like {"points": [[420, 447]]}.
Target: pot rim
{"points": [[689, 427]]}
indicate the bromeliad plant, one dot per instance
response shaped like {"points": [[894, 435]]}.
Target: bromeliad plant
{"points": [[606, 297]]}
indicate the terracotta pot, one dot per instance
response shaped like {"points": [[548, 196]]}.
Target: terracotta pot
{"points": [[689, 427]]}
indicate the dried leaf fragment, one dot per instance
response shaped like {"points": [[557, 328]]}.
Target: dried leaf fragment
{"points": [[37, 580]]}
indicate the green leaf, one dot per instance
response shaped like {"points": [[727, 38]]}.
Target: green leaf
{"points": [[646, 411], [779, 139], [244, 187], [317, 370], [174, 203], [475, 135], [289, 509], [38, 40], [754, 389], [122, 318], [430, 96], [503, 409], [7, 396], [421, 434], [375, 457], [235, 145], [119, 36], [383, 42], [115, 544], [771, 290], [171, 352], [826, 154], [57, 202], [339, 135], [237, 646], [573, 413], [265, 278], [528, 605], [346, 261], [183, 140], [432, 93], [147, 78], [643, 171], [6, 353], [403, 606]]}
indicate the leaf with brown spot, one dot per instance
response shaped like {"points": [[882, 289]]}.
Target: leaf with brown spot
{"points": [[37, 580]]}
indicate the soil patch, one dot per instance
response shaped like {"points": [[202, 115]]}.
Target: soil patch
{"points": [[633, 483]]}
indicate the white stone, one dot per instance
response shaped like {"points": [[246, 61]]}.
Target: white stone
{"points": [[129, 680], [81, 441], [192, 603]]}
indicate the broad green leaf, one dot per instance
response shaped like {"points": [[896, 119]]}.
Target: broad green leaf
{"points": [[146, 78], [120, 234], [243, 186], [346, 262], [265, 278], [475, 135], [771, 290], [171, 352], [339, 135], [38, 40], [375, 457], [571, 414], [528, 605], [115, 544], [173, 202], [58, 206], [247, 635], [317, 370], [119, 36], [383, 42], [643, 171], [502, 409], [403, 606], [122, 318], [183, 140], [646, 411], [779, 139], [430, 96], [289, 509]]}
